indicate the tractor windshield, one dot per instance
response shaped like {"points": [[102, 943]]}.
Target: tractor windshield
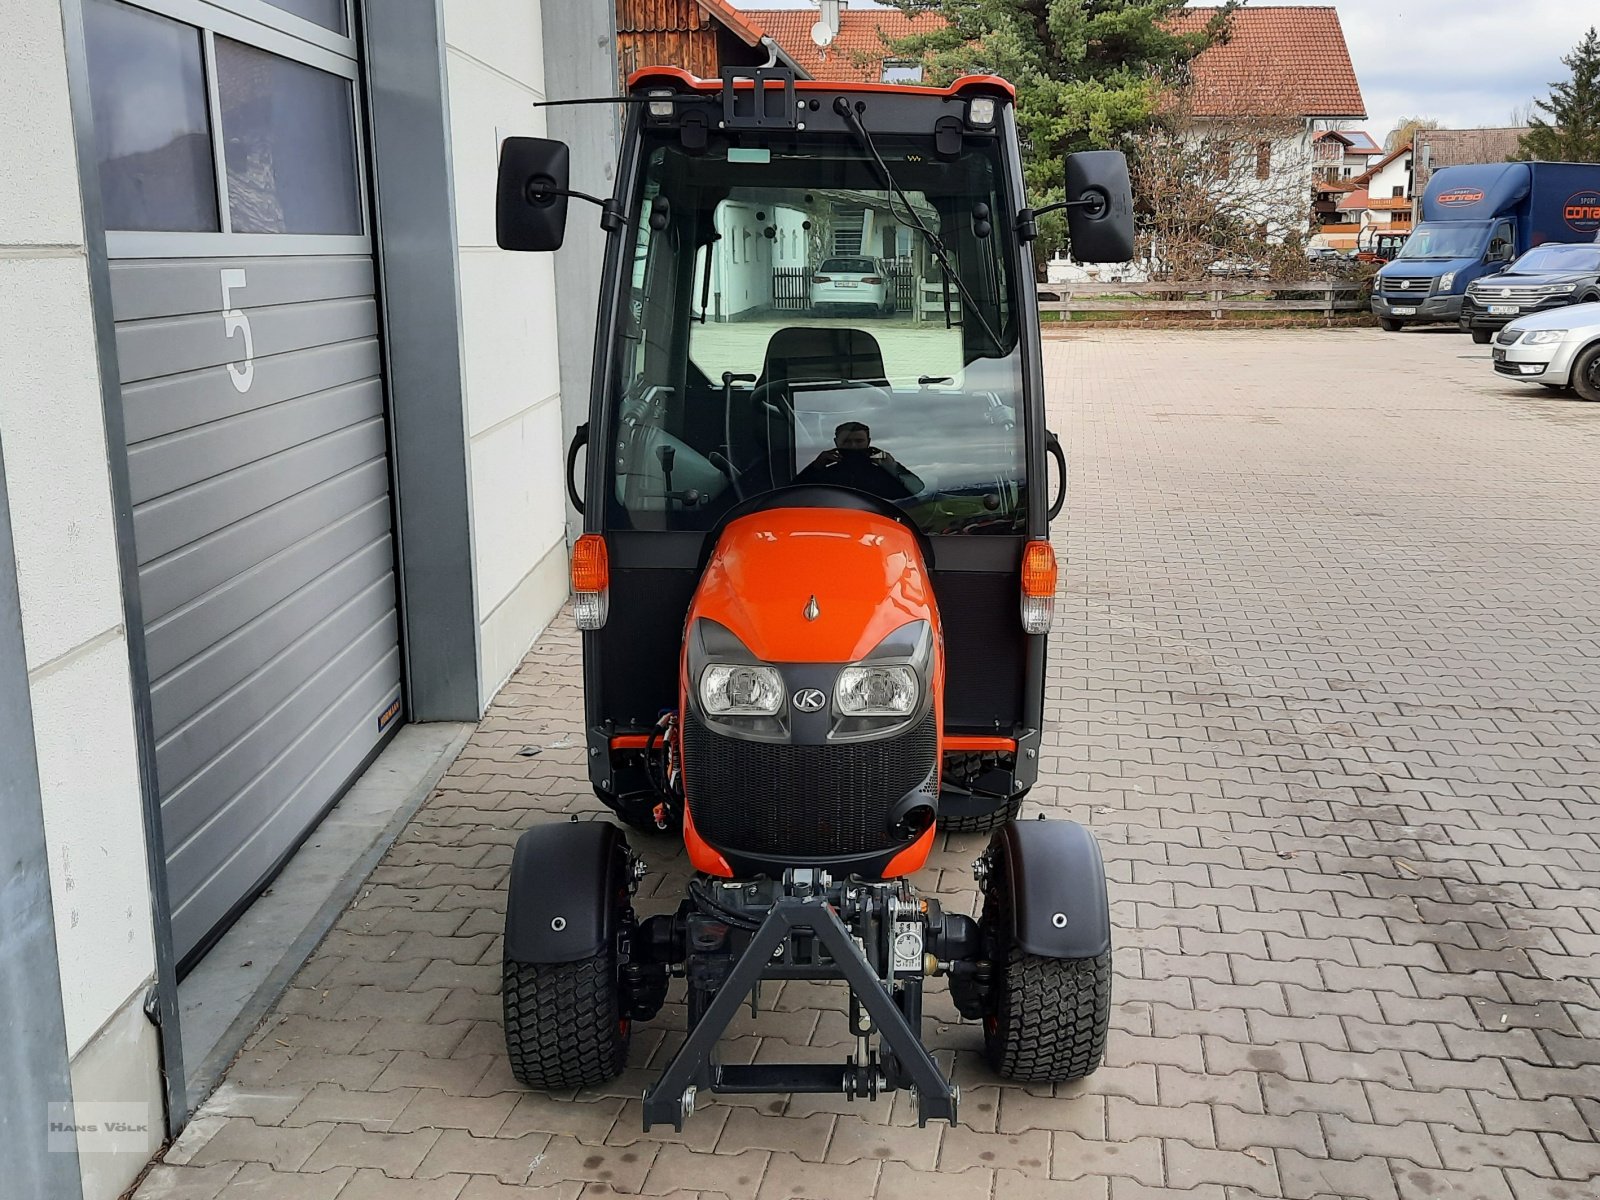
{"points": [[787, 320]]}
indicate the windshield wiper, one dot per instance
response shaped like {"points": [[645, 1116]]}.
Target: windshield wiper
{"points": [[969, 303]]}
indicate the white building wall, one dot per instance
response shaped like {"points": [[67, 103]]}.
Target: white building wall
{"points": [[52, 425], [495, 72], [742, 271], [1396, 174]]}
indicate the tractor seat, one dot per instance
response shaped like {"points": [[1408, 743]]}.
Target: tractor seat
{"points": [[798, 356], [808, 354]]}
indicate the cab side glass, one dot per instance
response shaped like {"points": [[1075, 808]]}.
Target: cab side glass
{"points": [[1101, 232], [531, 197]]}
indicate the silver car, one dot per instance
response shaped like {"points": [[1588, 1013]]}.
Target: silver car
{"points": [[1559, 348]]}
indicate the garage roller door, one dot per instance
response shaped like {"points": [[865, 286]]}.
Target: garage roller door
{"points": [[243, 290]]}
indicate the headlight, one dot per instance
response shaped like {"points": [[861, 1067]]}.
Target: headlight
{"points": [[1446, 281], [1543, 337], [735, 690], [1560, 289], [876, 691]]}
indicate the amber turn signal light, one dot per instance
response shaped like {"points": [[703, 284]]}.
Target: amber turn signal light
{"points": [[591, 581], [1039, 577]]}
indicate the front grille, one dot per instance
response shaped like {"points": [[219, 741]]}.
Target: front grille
{"points": [[1407, 287], [802, 801], [1507, 336], [1486, 292]]}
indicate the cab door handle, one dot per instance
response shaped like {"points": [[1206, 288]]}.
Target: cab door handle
{"points": [[580, 439], [1052, 445]]}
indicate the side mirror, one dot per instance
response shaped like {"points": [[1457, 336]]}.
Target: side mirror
{"points": [[1102, 230], [531, 197]]}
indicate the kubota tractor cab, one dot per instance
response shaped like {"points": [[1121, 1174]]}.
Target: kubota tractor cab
{"points": [[814, 586]]}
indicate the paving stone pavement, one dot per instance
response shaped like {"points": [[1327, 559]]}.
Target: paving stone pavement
{"points": [[1326, 676]]}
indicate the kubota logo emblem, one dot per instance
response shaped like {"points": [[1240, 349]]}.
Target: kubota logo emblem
{"points": [[809, 700], [1582, 211], [1457, 197]]}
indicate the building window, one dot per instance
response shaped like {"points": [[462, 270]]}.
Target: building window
{"points": [[147, 91], [329, 14], [896, 70], [1263, 160], [288, 135], [1398, 192], [1348, 171], [1222, 156]]}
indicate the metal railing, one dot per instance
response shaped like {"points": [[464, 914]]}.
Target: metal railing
{"points": [[1217, 297]]}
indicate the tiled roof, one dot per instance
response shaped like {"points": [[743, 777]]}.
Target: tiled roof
{"points": [[1294, 55], [1355, 201], [1362, 142], [863, 34], [737, 21], [1454, 147], [1292, 58]]}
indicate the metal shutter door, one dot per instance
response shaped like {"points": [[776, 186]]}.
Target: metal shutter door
{"points": [[266, 564]]}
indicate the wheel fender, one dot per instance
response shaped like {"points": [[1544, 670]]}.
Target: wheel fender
{"points": [[566, 882], [1057, 884]]}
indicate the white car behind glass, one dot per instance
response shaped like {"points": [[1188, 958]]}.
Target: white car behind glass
{"points": [[853, 281]]}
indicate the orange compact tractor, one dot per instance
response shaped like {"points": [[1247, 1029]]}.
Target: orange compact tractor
{"points": [[814, 586]]}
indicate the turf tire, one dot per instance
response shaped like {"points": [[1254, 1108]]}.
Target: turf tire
{"points": [[984, 822], [564, 1029], [1049, 1017]]}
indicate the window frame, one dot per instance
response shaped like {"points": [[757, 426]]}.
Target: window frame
{"points": [[257, 24]]}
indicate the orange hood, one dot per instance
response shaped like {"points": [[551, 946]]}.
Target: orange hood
{"points": [[864, 571]]}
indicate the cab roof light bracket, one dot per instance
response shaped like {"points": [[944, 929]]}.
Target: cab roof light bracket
{"points": [[768, 108]]}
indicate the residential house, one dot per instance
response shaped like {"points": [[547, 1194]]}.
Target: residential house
{"points": [[1287, 64], [1290, 66], [700, 36], [1344, 153]]}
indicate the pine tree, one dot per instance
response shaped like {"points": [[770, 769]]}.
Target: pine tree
{"points": [[1572, 133], [1088, 73]]}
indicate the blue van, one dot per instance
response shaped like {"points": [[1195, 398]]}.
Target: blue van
{"points": [[1475, 221]]}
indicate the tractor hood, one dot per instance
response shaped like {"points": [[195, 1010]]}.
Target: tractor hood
{"points": [[815, 585]]}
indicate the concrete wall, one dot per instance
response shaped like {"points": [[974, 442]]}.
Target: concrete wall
{"points": [[580, 59], [52, 424], [494, 64]]}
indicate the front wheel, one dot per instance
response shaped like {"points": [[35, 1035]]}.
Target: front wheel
{"points": [[1481, 337], [1049, 1017], [1390, 325], [1586, 374], [564, 1022], [984, 822]]}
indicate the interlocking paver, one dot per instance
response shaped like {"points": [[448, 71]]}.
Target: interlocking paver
{"points": [[1326, 682]]}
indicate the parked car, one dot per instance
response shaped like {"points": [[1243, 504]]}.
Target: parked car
{"points": [[1475, 220], [1550, 276], [1557, 349], [853, 282]]}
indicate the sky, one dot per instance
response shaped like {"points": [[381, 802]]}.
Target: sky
{"points": [[1465, 62]]}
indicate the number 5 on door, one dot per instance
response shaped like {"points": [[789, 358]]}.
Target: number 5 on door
{"points": [[242, 372]]}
